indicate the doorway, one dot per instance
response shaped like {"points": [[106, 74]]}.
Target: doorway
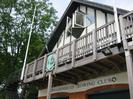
{"points": [[121, 94], [60, 97]]}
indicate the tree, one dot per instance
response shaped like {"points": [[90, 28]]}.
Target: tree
{"points": [[15, 21]]}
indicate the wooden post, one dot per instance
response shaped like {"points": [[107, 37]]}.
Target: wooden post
{"points": [[123, 33], [94, 45], [73, 53], [129, 58], [57, 59], [129, 63], [50, 79]]}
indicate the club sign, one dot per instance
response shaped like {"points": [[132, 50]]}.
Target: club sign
{"points": [[50, 63]]}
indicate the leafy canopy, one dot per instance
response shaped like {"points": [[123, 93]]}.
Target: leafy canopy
{"points": [[15, 21]]}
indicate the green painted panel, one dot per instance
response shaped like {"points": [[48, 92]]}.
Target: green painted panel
{"points": [[50, 63]]}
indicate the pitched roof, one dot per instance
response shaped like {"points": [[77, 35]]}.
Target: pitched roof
{"points": [[70, 9]]}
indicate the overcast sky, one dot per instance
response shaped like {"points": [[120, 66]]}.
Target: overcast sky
{"points": [[60, 5]]}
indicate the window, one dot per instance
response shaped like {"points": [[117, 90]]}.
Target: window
{"points": [[90, 17], [79, 19]]}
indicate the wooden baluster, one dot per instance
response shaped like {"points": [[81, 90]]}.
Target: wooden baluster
{"points": [[126, 27], [86, 44], [77, 49], [91, 41], [114, 34], [106, 35], [129, 28], [94, 45], [102, 32], [123, 33], [131, 18], [59, 56], [98, 38], [110, 34]]}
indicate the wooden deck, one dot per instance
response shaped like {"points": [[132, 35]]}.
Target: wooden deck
{"points": [[95, 54]]}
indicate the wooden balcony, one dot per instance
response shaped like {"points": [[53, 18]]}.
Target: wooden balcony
{"points": [[93, 54]]}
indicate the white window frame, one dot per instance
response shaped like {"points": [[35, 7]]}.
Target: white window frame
{"points": [[74, 19]]}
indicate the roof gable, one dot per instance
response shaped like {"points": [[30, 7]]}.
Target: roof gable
{"points": [[70, 9]]}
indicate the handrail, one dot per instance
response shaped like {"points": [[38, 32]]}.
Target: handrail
{"points": [[81, 48], [129, 13], [105, 36], [105, 25]]}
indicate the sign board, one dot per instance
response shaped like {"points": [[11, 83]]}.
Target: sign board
{"points": [[120, 78], [50, 63]]}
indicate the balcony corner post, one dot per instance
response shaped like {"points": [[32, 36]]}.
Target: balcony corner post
{"points": [[128, 56], [94, 44], [124, 41], [73, 53], [57, 60]]}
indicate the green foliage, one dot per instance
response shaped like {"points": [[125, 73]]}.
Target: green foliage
{"points": [[15, 22]]}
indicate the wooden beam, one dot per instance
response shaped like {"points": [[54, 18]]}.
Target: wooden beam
{"points": [[94, 44], [86, 71], [79, 70], [121, 58], [73, 74], [101, 66], [66, 80], [65, 75], [116, 65], [70, 75], [90, 69]]}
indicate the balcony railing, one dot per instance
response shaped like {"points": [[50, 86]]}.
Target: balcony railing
{"points": [[88, 45]]}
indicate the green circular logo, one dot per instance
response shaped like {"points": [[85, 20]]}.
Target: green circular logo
{"points": [[50, 63]]}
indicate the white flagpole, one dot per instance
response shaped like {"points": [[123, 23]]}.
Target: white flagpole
{"points": [[28, 43], [116, 22]]}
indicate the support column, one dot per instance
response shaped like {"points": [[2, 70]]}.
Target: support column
{"points": [[50, 79], [129, 63], [73, 53], [128, 56]]}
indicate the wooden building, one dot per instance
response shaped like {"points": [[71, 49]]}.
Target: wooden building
{"points": [[86, 57]]}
